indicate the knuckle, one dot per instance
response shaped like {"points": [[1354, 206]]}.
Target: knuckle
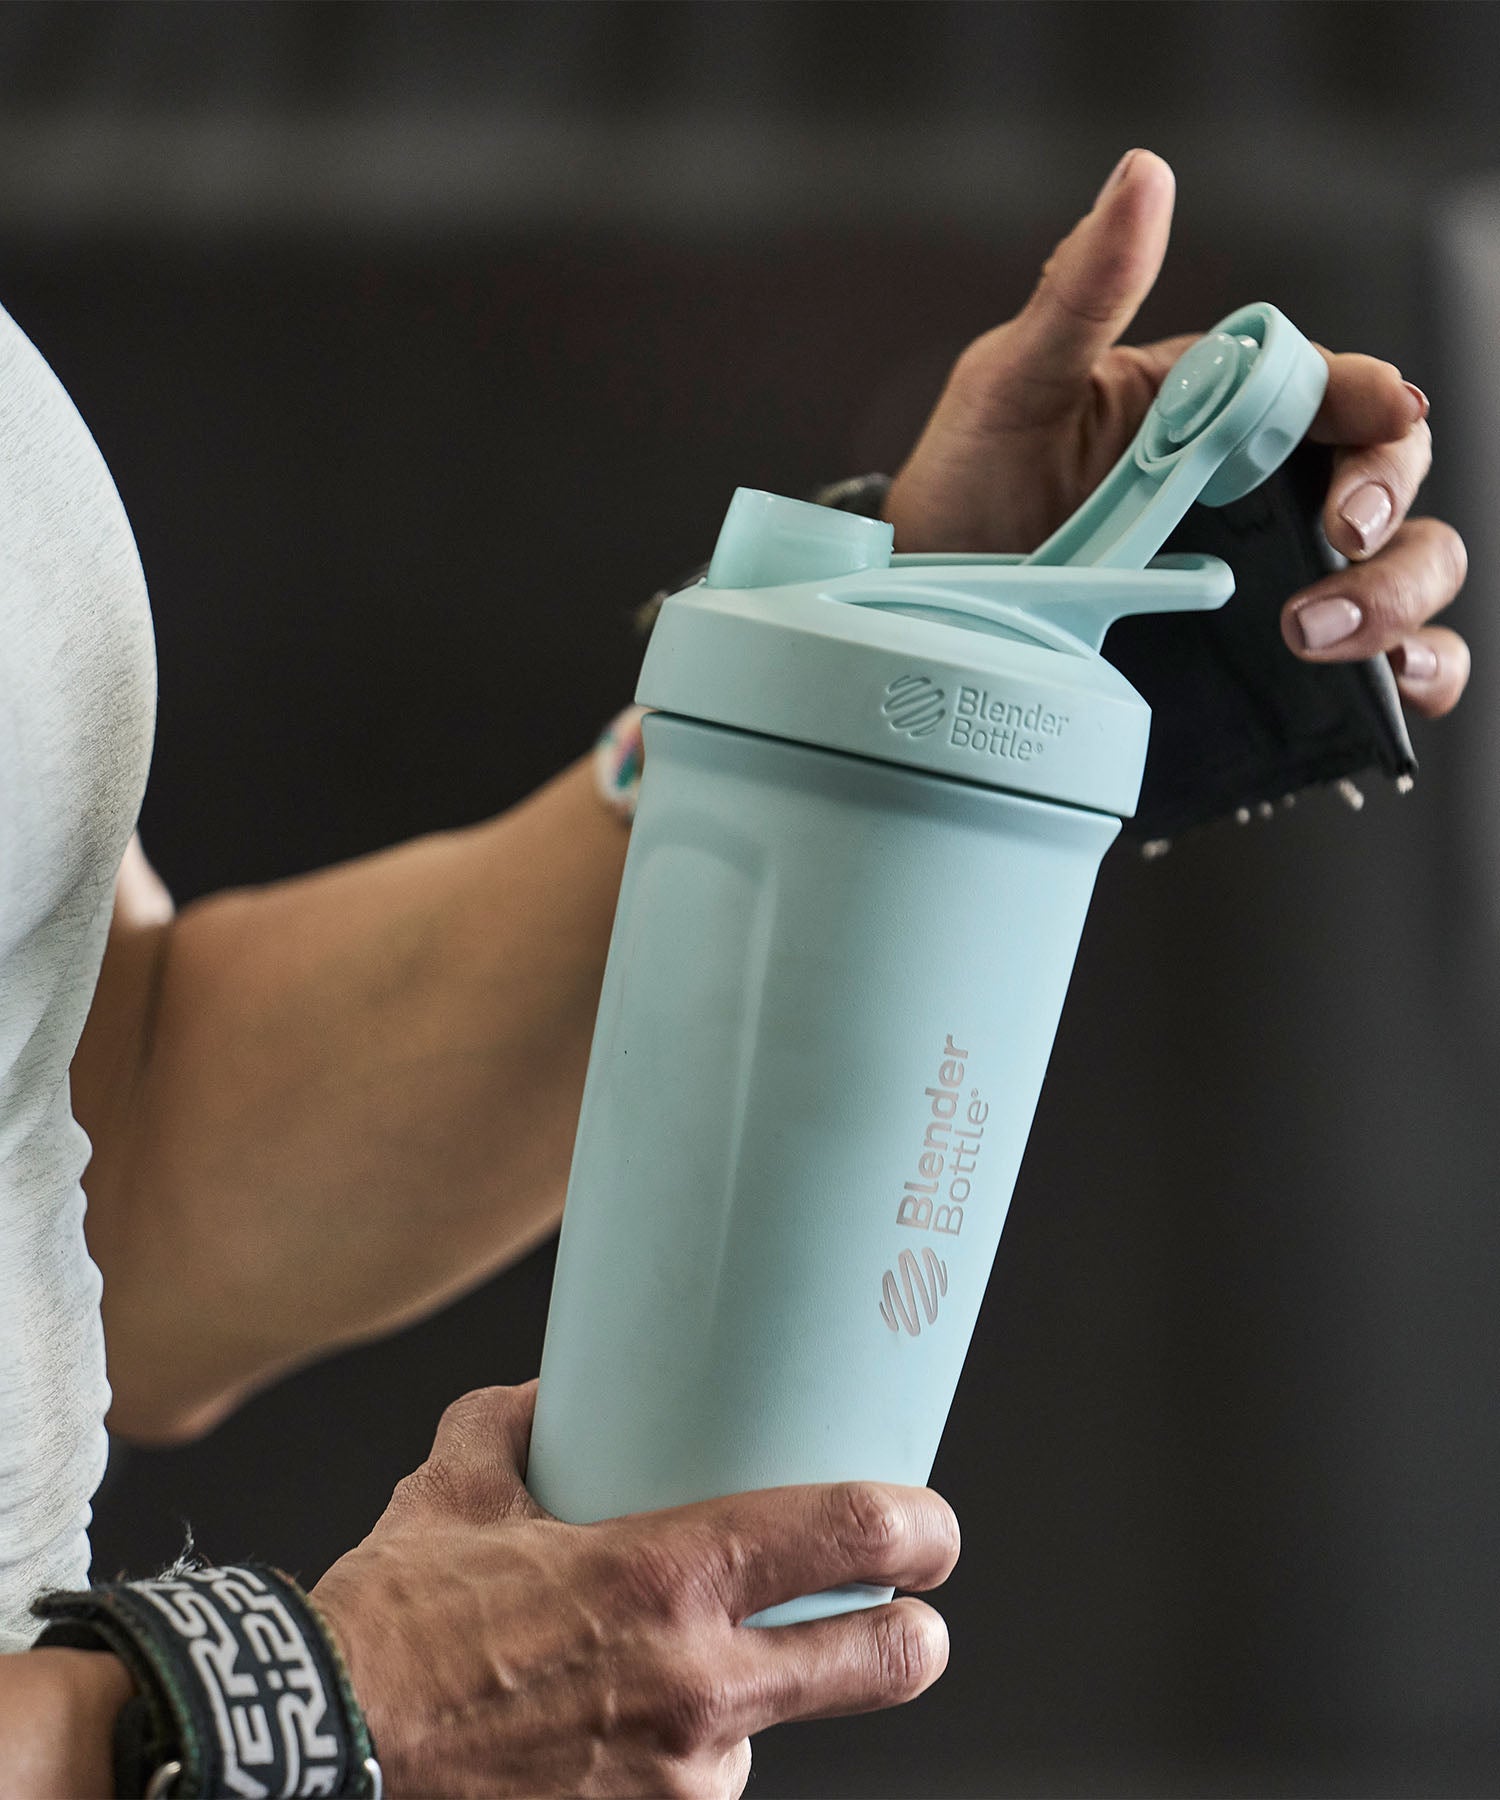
{"points": [[456, 1415], [410, 1490], [1404, 590], [1387, 467], [694, 1710], [1094, 302], [1405, 587], [974, 365], [872, 1521], [431, 1487], [984, 378], [663, 1577], [1450, 549], [1400, 467], [471, 1412], [1395, 600], [723, 1571]]}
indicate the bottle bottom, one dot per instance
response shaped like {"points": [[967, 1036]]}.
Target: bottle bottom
{"points": [[851, 1598]]}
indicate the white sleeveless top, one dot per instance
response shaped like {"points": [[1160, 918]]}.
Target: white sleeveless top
{"points": [[77, 706]]}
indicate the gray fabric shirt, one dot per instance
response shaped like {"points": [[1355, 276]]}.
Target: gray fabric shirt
{"points": [[77, 706]]}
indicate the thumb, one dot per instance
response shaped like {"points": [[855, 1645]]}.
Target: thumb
{"points": [[1090, 290]]}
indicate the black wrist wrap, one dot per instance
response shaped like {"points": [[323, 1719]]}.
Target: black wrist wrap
{"points": [[239, 1683]]}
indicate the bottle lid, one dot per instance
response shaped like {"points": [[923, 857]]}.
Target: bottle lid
{"points": [[986, 668]]}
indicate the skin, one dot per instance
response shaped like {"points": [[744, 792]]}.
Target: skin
{"points": [[614, 1658], [389, 1057], [1037, 411], [57, 1711]]}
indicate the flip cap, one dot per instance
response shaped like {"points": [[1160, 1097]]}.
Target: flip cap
{"points": [[985, 668]]}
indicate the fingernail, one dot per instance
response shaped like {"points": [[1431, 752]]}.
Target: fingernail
{"points": [[1367, 512], [1117, 174], [1418, 661], [1325, 622], [1424, 405]]}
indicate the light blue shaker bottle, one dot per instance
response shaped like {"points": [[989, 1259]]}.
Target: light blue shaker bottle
{"points": [[877, 792]]}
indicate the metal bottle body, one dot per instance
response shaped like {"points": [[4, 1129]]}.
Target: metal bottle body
{"points": [[831, 994]]}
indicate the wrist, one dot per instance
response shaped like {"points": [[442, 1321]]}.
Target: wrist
{"points": [[57, 1718], [238, 1686], [355, 1599]]}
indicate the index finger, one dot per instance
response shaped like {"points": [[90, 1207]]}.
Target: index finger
{"points": [[774, 1544], [1366, 402]]}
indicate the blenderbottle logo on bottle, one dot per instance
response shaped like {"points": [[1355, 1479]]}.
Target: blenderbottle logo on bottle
{"points": [[922, 1285], [914, 704], [934, 1196]]}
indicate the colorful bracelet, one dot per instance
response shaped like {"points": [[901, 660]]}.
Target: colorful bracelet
{"points": [[618, 758], [242, 1689]]}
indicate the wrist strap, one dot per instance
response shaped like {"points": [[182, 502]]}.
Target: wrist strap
{"points": [[242, 1690]]}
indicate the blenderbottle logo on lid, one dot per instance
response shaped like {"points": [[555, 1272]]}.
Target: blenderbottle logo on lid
{"points": [[914, 704], [984, 721]]}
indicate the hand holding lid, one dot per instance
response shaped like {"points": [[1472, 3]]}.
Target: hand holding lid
{"points": [[807, 624], [1229, 412]]}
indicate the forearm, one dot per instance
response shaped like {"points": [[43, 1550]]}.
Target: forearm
{"points": [[356, 1097], [57, 1715]]}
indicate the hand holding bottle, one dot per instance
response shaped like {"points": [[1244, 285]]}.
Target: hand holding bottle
{"points": [[499, 1651]]}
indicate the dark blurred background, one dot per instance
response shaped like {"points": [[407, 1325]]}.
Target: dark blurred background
{"points": [[425, 340]]}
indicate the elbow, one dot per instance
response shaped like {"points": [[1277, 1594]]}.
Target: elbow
{"points": [[153, 1417]]}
